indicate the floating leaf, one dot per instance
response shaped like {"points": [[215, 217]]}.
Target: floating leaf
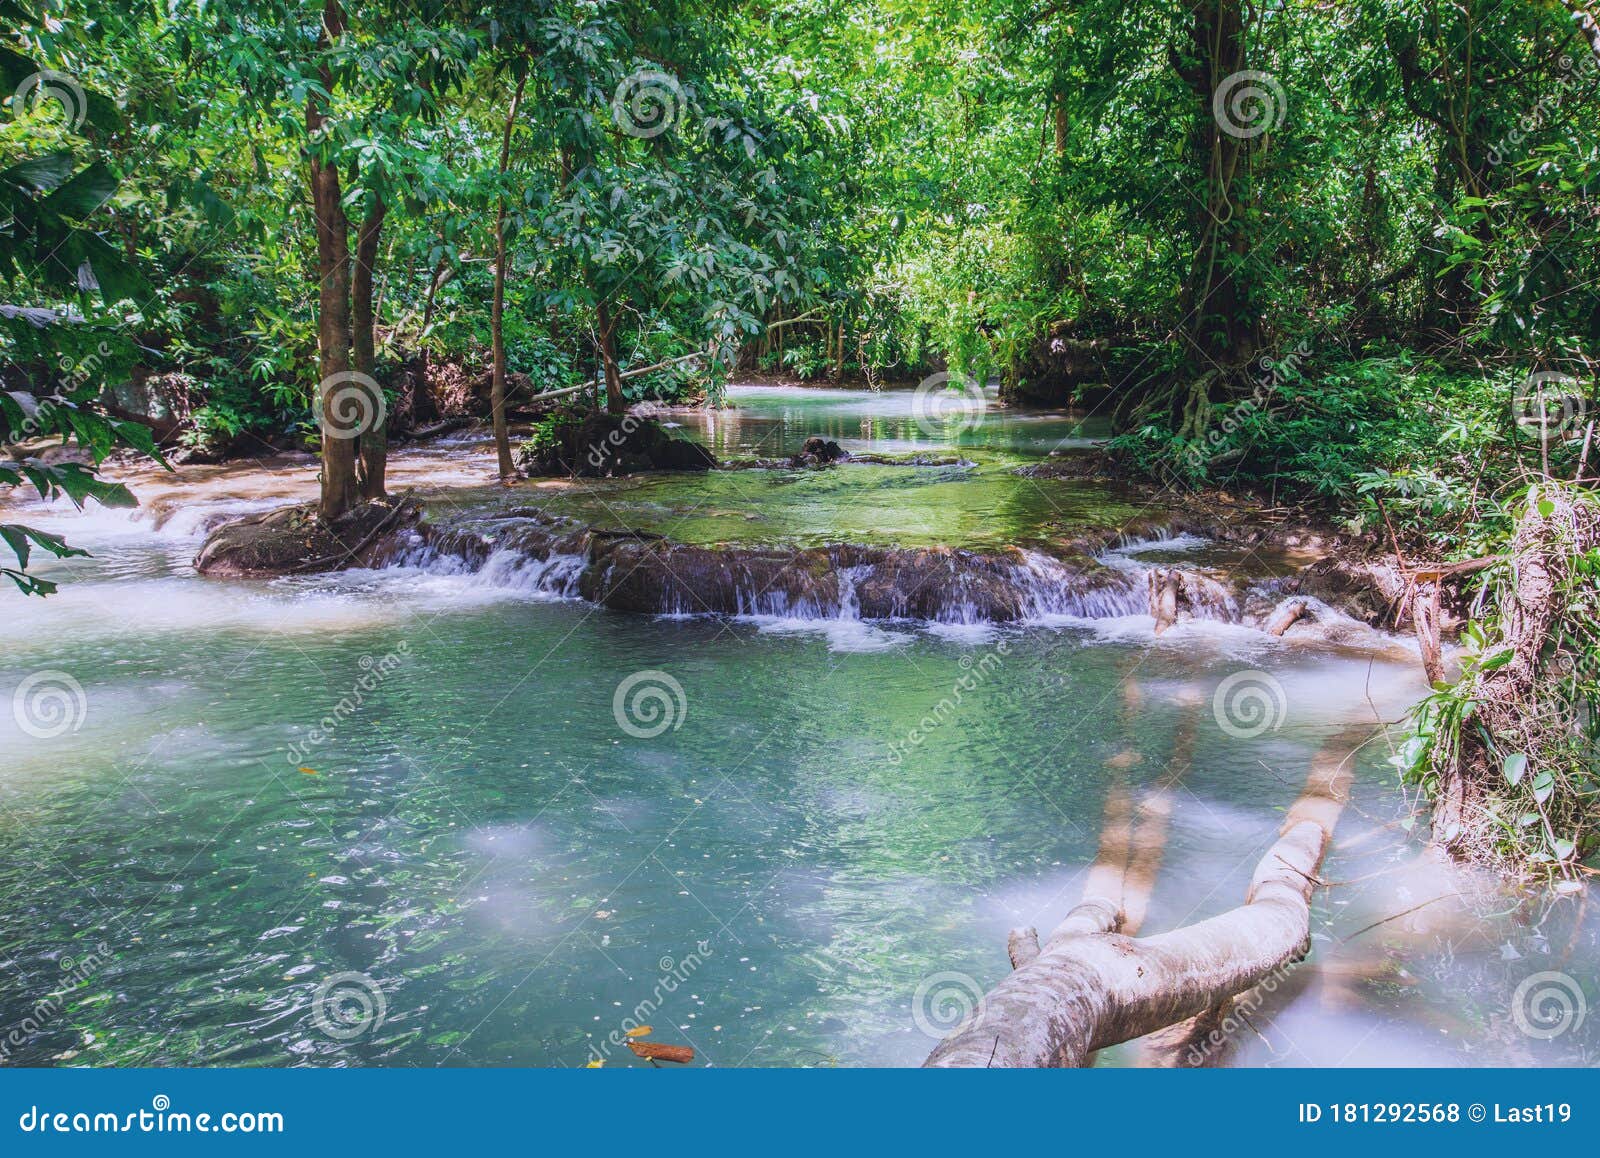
{"points": [[640, 1031], [658, 1051]]}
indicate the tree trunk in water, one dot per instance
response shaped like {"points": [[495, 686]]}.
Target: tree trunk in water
{"points": [[497, 309], [333, 305], [364, 345], [1091, 987], [615, 403]]}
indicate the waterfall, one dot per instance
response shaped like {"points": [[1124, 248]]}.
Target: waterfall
{"points": [[530, 552]]}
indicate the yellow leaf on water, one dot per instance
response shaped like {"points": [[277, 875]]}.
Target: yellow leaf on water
{"points": [[640, 1031], [310, 771], [596, 1064]]}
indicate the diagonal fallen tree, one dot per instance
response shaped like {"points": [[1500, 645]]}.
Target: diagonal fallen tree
{"points": [[1091, 986]]}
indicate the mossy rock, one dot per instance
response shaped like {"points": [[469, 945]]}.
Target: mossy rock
{"points": [[292, 540]]}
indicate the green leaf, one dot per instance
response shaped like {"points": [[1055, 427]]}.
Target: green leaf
{"points": [[39, 174], [1514, 766], [1543, 785], [86, 192]]}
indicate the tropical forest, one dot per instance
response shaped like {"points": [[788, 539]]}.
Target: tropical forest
{"points": [[807, 533]]}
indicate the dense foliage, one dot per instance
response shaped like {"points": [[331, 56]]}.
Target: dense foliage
{"points": [[1347, 253]]}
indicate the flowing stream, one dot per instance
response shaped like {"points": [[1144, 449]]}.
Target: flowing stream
{"points": [[510, 824]]}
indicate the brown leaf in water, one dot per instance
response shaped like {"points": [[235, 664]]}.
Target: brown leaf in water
{"points": [[658, 1051]]}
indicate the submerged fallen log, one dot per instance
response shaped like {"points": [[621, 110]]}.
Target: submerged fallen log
{"points": [[1090, 986]]}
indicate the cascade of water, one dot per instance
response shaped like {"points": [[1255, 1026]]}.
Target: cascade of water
{"points": [[529, 553]]}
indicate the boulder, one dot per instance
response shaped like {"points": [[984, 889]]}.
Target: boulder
{"points": [[595, 444], [817, 451]]}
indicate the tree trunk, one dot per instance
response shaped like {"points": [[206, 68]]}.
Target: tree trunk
{"points": [[333, 305], [364, 345], [497, 309], [1587, 24], [1091, 987], [1222, 329], [605, 323]]}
